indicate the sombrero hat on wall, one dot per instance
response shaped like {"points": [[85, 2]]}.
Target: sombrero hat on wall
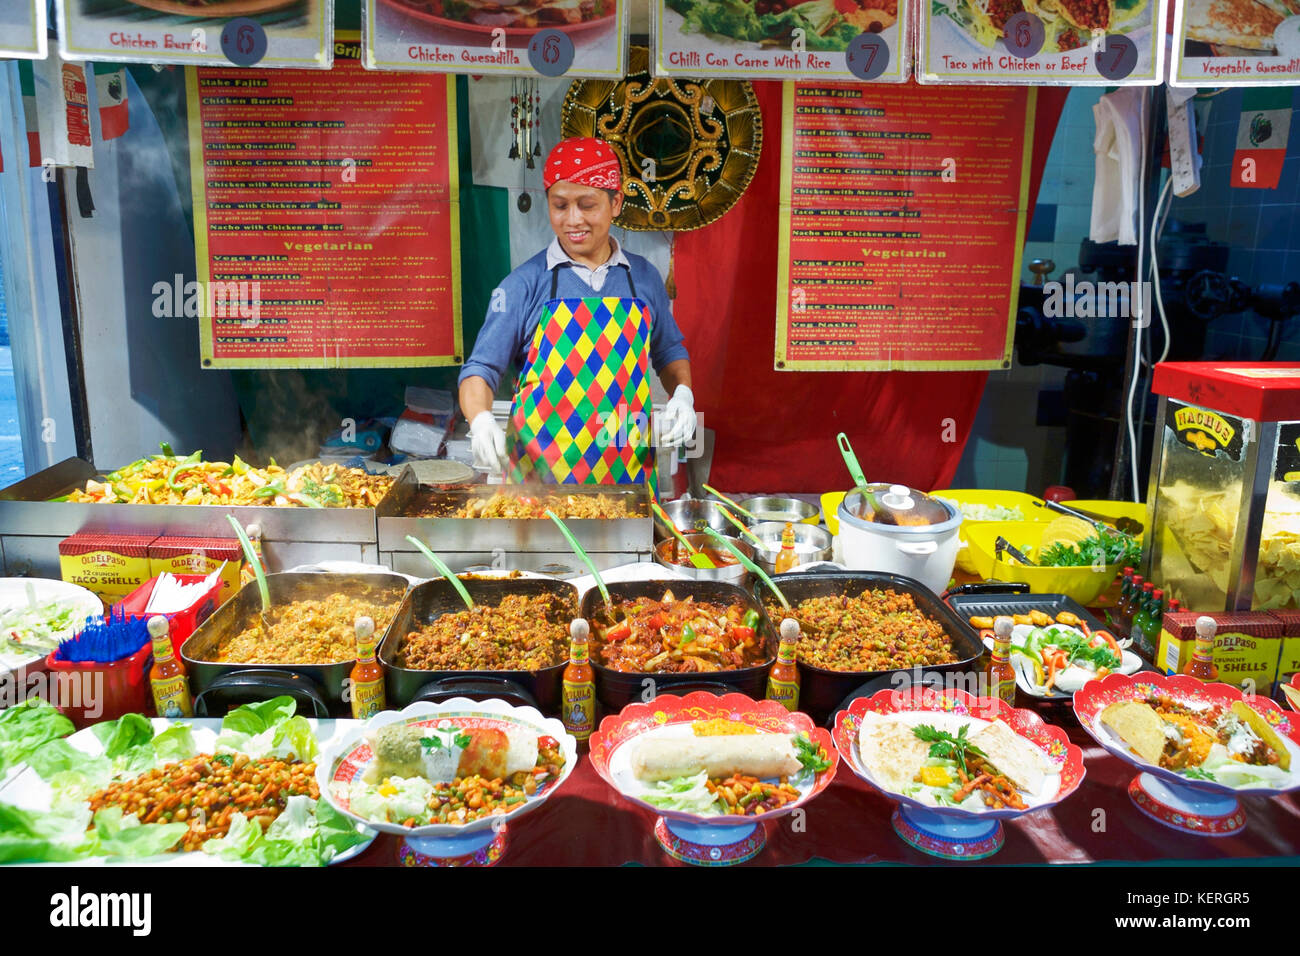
{"points": [[688, 148]]}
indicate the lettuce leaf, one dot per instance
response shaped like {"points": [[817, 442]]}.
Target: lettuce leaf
{"points": [[125, 837], [25, 727], [119, 736], [174, 744], [29, 836], [684, 794], [253, 719]]}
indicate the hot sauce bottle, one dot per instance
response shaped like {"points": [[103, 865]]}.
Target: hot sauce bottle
{"points": [[167, 678], [1001, 675], [1201, 666], [578, 696], [783, 678], [786, 558], [367, 687]]}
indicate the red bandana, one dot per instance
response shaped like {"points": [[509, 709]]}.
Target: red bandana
{"points": [[585, 161]]}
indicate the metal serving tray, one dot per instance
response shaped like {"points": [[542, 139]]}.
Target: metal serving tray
{"points": [[320, 684], [31, 525], [533, 544]]}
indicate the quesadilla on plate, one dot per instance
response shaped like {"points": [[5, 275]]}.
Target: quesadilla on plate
{"points": [[1245, 24]]}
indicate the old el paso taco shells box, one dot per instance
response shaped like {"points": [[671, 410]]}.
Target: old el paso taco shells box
{"points": [[111, 565], [1290, 661], [198, 556], [1247, 645]]}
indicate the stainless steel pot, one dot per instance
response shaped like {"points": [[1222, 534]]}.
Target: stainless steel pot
{"points": [[732, 573], [692, 515], [811, 543], [769, 508]]}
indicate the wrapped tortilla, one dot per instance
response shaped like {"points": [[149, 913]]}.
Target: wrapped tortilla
{"points": [[758, 755], [890, 751], [1024, 764]]}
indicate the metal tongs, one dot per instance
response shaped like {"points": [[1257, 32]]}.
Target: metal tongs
{"points": [[1123, 525], [1003, 546]]}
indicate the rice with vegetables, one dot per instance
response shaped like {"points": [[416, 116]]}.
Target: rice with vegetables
{"points": [[523, 633], [305, 632], [878, 630]]}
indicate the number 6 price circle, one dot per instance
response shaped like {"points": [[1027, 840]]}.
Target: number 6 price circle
{"points": [[550, 52], [1117, 57], [867, 56]]}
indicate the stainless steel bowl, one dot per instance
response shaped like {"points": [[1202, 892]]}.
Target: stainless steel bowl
{"points": [[811, 543], [731, 573], [768, 508], [692, 515]]}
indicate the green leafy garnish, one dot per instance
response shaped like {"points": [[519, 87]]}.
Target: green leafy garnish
{"points": [[431, 743], [1196, 773], [809, 754], [944, 745], [1103, 548], [462, 741]]}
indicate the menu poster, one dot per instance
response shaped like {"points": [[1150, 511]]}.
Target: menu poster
{"points": [[902, 224], [1043, 42], [547, 37], [326, 218], [262, 33], [22, 29], [783, 39], [1236, 43]]}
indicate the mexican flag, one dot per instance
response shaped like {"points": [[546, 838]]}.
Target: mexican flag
{"points": [[1262, 135], [27, 82], [110, 90]]}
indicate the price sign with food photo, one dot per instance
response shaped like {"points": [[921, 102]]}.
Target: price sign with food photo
{"points": [[22, 29], [1236, 42], [788, 39], [1042, 42], [262, 33], [548, 37]]}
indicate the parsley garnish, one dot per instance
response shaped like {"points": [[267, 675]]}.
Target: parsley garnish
{"points": [[947, 747], [809, 754]]}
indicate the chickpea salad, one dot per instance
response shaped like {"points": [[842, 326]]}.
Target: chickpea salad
{"points": [[134, 788]]}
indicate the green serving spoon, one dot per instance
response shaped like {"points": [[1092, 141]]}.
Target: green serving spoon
{"points": [[753, 568], [577, 549], [443, 570], [699, 559]]}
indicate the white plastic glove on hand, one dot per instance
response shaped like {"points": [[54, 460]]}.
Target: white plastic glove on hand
{"points": [[677, 426], [489, 443]]}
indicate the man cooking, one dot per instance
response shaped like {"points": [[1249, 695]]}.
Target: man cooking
{"points": [[582, 319]]}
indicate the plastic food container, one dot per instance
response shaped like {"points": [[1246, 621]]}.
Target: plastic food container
{"points": [[1083, 584]]}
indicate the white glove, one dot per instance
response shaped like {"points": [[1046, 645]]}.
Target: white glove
{"points": [[489, 443], [677, 425]]}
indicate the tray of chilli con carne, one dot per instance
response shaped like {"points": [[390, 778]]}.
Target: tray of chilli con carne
{"points": [[305, 647], [513, 645], [861, 627], [977, 612]]}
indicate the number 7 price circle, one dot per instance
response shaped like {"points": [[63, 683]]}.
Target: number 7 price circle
{"points": [[867, 56], [1117, 57]]}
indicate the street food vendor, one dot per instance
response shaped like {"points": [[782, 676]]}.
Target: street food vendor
{"points": [[582, 320]]}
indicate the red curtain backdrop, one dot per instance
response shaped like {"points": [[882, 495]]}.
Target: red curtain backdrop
{"points": [[776, 430]]}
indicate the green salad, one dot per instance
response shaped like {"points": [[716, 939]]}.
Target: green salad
{"points": [[824, 27]]}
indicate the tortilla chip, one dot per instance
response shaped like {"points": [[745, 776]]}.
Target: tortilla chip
{"points": [[1139, 726]]}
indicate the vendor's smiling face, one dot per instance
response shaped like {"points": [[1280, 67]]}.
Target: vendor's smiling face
{"points": [[581, 217]]}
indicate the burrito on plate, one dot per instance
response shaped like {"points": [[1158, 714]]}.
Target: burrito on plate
{"points": [[758, 755]]}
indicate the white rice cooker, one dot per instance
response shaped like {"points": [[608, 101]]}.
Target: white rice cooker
{"points": [[896, 529]]}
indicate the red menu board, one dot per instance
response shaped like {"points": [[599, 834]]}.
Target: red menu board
{"points": [[326, 218], [902, 224]]}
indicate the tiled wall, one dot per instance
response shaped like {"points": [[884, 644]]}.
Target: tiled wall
{"points": [[1261, 225], [1007, 449], [1060, 219]]}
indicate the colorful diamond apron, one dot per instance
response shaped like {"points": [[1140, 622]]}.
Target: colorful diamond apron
{"points": [[581, 413]]}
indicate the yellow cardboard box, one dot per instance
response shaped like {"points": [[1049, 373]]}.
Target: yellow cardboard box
{"points": [[111, 565], [1247, 645], [199, 556]]}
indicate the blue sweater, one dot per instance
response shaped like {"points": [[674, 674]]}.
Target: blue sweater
{"points": [[516, 308]]}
